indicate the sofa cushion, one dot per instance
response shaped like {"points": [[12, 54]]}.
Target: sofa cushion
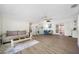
{"points": [[21, 32], [12, 33]]}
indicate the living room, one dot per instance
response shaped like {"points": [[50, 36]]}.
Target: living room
{"points": [[51, 28]]}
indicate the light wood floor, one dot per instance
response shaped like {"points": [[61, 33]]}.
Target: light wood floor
{"points": [[53, 44]]}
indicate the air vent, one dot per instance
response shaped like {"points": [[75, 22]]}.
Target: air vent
{"points": [[74, 5]]}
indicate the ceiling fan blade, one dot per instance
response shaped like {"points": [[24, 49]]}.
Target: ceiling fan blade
{"points": [[74, 5]]}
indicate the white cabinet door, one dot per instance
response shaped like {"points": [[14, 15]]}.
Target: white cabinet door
{"points": [[74, 34]]}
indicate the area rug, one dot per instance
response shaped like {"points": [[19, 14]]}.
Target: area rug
{"points": [[21, 46]]}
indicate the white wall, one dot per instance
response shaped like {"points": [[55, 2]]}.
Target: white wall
{"points": [[0, 26], [0, 18], [68, 25], [9, 24], [15, 17], [14, 24], [78, 31]]}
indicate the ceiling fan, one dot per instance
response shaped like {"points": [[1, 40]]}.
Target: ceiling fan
{"points": [[47, 19], [74, 5]]}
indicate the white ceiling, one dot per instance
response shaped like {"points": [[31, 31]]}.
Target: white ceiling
{"points": [[34, 12]]}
